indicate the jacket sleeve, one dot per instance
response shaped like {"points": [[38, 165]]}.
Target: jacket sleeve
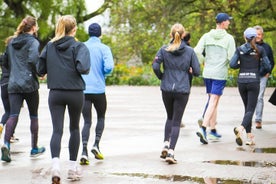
{"points": [[265, 65], [199, 49], [42, 66], [234, 62], [108, 61], [270, 57], [156, 65], [195, 65], [82, 59]]}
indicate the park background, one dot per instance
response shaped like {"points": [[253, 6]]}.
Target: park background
{"points": [[136, 29]]}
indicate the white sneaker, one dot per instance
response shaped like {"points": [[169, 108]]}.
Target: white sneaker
{"points": [[74, 175]]}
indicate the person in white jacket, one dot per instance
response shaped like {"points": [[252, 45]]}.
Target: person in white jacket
{"points": [[218, 47]]}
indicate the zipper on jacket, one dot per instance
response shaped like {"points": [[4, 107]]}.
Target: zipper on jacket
{"points": [[173, 86]]}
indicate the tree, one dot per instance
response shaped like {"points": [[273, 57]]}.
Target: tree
{"points": [[142, 26], [47, 12]]}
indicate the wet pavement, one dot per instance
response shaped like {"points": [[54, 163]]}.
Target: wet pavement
{"points": [[132, 142]]}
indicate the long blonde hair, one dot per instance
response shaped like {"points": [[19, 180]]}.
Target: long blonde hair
{"points": [[177, 32], [64, 26]]}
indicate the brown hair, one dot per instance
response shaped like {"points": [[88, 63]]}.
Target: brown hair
{"points": [[177, 32], [26, 25]]}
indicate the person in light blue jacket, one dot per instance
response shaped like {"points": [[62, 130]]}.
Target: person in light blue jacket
{"points": [[102, 64]]}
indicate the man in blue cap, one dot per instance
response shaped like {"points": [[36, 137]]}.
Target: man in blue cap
{"points": [[101, 65], [218, 47]]}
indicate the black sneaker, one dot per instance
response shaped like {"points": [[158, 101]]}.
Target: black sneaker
{"points": [[164, 152], [170, 159]]}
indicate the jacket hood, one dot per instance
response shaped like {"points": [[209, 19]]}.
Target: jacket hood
{"points": [[246, 48], [180, 50], [64, 43], [218, 34], [21, 40]]}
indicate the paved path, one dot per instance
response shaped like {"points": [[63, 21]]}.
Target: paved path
{"points": [[132, 142]]}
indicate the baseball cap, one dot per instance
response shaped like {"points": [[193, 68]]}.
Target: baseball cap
{"points": [[222, 17], [250, 33], [95, 30]]}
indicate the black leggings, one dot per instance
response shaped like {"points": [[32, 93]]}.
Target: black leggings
{"points": [[16, 102], [249, 93], [6, 103], [58, 100], [175, 104], [99, 101]]}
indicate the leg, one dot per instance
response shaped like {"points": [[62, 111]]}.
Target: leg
{"points": [[99, 101], [260, 103]]}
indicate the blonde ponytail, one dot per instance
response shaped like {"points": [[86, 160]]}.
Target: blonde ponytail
{"points": [[177, 32]]}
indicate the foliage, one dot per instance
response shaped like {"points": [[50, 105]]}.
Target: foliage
{"points": [[140, 27], [47, 12]]}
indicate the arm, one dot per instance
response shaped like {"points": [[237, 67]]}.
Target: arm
{"points": [[82, 59], [41, 65], [156, 65], [234, 62], [195, 65], [199, 49], [108, 61]]}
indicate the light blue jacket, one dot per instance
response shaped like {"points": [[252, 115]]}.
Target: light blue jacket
{"points": [[102, 64]]}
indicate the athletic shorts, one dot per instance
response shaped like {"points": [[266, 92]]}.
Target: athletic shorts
{"points": [[214, 86]]}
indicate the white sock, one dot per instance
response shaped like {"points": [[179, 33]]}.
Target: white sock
{"points": [[171, 151], [55, 164], [166, 143], [72, 165]]}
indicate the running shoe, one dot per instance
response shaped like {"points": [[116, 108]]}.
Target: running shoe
{"points": [[249, 142], [238, 136], [84, 160], [164, 152], [1, 129], [14, 139], [35, 152], [170, 159], [55, 177], [74, 175], [214, 136], [5, 153], [98, 155], [202, 135]]}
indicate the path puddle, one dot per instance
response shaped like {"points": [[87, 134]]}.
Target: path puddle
{"points": [[180, 178], [242, 163]]}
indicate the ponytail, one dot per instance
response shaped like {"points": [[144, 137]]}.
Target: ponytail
{"points": [[177, 32]]}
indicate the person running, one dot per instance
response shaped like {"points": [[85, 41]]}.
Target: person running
{"points": [[5, 73], [248, 58], [64, 59], [22, 57], [264, 76], [176, 58], [218, 47], [101, 65]]}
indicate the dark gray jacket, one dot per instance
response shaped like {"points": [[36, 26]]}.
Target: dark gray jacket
{"points": [[249, 62], [64, 61], [22, 57], [175, 74]]}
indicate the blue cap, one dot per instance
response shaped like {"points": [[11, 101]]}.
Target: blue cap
{"points": [[250, 33], [95, 30], [222, 17]]}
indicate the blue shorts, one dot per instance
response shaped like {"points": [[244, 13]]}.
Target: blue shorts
{"points": [[214, 86]]}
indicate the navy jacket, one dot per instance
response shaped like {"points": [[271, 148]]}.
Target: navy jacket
{"points": [[64, 61], [246, 59], [175, 74], [22, 58]]}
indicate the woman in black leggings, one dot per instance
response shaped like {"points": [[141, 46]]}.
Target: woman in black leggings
{"points": [[178, 61], [64, 60], [248, 58], [22, 57]]}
